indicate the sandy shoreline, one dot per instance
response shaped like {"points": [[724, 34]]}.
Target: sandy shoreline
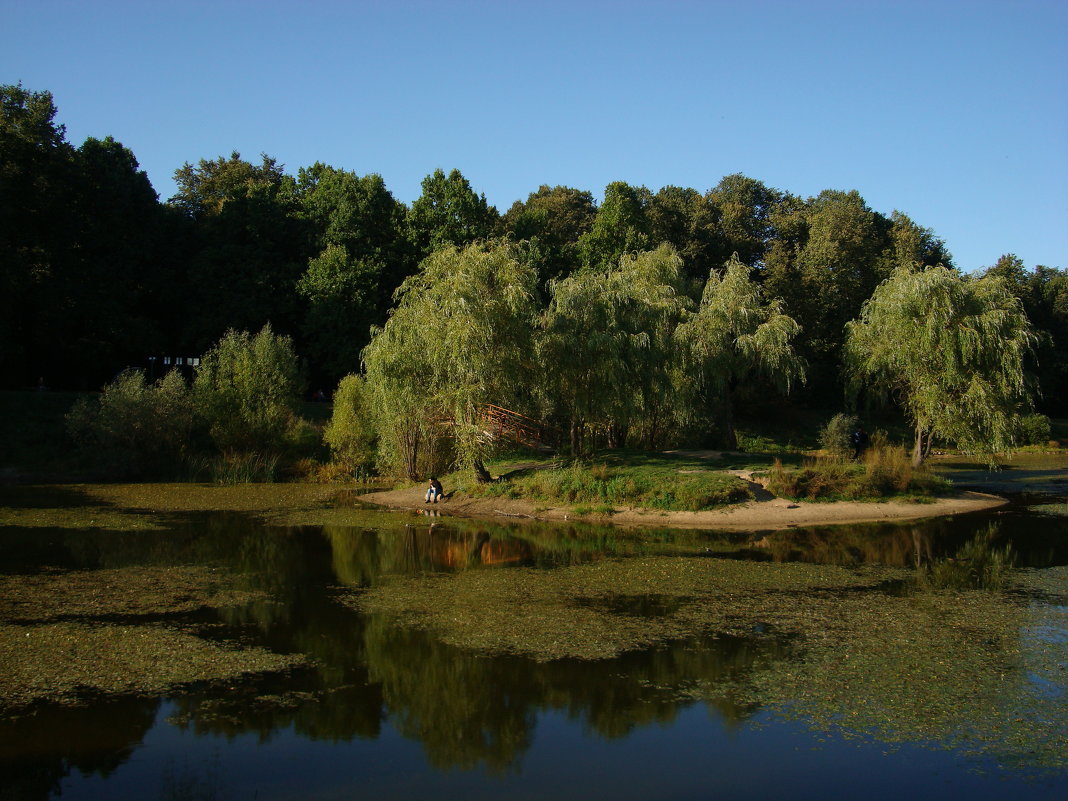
{"points": [[758, 515]]}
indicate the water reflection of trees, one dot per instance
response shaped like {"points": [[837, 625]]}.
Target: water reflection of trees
{"points": [[97, 740], [469, 710]]}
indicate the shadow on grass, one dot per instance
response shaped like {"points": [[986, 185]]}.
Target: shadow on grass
{"points": [[47, 497]]}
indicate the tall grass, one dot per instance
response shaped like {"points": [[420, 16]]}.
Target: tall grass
{"points": [[235, 468], [885, 471]]}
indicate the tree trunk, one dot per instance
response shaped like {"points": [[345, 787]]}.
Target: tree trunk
{"points": [[917, 448], [730, 437], [577, 427], [410, 443]]}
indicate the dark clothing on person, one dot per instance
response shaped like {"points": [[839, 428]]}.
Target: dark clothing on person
{"points": [[859, 438]]}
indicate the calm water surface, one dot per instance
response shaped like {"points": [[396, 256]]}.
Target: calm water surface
{"points": [[390, 711]]}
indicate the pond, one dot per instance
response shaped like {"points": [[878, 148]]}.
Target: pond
{"points": [[218, 655]]}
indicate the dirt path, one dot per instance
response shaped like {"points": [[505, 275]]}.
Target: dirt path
{"points": [[765, 513]]}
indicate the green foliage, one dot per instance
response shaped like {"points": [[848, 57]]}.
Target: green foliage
{"points": [[606, 347], [350, 432], [1034, 429], [687, 220], [835, 437], [824, 261], [554, 218], [621, 226], [341, 294], [134, 428], [885, 472], [950, 350], [734, 337], [247, 390], [448, 212], [744, 206], [459, 338], [1044, 295], [606, 486], [360, 216], [249, 245]]}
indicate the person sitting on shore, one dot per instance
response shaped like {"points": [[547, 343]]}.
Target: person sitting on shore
{"points": [[434, 491]]}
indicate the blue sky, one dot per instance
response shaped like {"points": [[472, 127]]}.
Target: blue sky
{"points": [[956, 113]]}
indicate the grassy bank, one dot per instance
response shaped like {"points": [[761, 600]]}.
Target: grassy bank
{"points": [[623, 478]]}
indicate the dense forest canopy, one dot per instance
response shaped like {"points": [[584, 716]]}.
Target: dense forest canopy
{"points": [[97, 274]]}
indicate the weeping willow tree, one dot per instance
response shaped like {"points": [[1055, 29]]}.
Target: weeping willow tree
{"points": [[605, 345], [735, 337], [459, 337], [951, 350]]}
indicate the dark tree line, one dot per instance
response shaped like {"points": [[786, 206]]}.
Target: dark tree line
{"points": [[96, 273]]}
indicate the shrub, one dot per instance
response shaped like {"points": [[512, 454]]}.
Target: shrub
{"points": [[133, 427], [886, 471], [350, 433], [247, 390], [1034, 429], [835, 437]]}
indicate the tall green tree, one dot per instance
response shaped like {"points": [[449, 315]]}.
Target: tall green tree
{"points": [[361, 215], [37, 228], [621, 226], [606, 347], [247, 389], [341, 294], [448, 212], [1044, 295], [249, 246], [912, 244], [458, 338], [357, 232], [951, 350], [553, 218], [687, 220], [825, 261], [735, 338], [744, 207], [123, 264], [81, 246]]}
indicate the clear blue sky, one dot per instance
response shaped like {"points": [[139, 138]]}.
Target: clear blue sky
{"points": [[954, 112]]}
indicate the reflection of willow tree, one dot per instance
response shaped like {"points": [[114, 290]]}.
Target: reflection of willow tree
{"points": [[651, 686], [941, 545], [465, 710], [468, 710], [360, 556], [338, 713], [926, 666], [881, 544], [98, 739]]}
